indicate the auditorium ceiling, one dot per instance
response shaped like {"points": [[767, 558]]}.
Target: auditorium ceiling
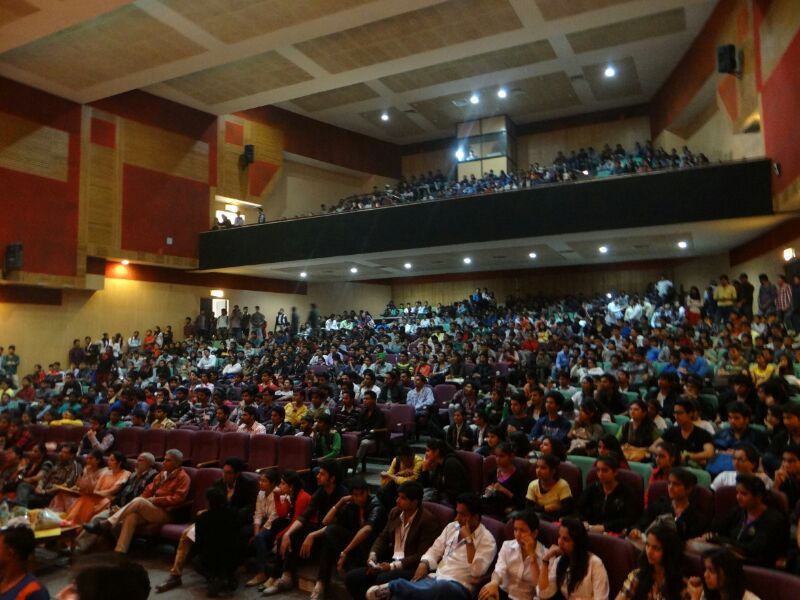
{"points": [[345, 62], [707, 238]]}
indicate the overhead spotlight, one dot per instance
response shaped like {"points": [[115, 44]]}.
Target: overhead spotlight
{"points": [[384, 116], [126, 262], [585, 172], [532, 255], [683, 245], [788, 254], [603, 249], [460, 154], [610, 71], [354, 270], [467, 260], [608, 295], [502, 93], [474, 99], [407, 266], [303, 274]]}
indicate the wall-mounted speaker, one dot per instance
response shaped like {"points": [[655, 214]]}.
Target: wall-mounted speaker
{"points": [[726, 59], [249, 155], [13, 258]]}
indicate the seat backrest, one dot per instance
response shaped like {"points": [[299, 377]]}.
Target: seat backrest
{"points": [[572, 475], [263, 451], [548, 533], [655, 491], [469, 369], [56, 435], [473, 463], [618, 556], [234, 444], [584, 463], [37, 432], [126, 440], [769, 584], [181, 439], [400, 418], [725, 500], [74, 433], [443, 393], [643, 469], [443, 513], [294, 452], [205, 446], [153, 441], [496, 528], [203, 479]]}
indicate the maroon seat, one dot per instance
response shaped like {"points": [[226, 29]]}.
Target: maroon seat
{"points": [[473, 463], [205, 447], [548, 533], [202, 479], [490, 468], [74, 433], [153, 441], [37, 432], [263, 452], [55, 435], [725, 500], [180, 439], [126, 440], [400, 422], [294, 453], [572, 475], [350, 441], [443, 394], [443, 513], [496, 528], [617, 555], [234, 444], [769, 584], [469, 369]]}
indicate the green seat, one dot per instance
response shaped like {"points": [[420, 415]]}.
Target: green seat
{"points": [[611, 428], [606, 366], [631, 396], [621, 419], [584, 463], [643, 469], [709, 406], [659, 366], [758, 427], [797, 369], [703, 477]]}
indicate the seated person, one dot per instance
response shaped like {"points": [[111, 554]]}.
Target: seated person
{"points": [[443, 476], [739, 430], [695, 445], [608, 445], [753, 530], [746, 461], [63, 501], [350, 528], [216, 534], [587, 430], [519, 562], [327, 441], [99, 437], [723, 577], [676, 507], [395, 553], [788, 434], [494, 435], [264, 518], [787, 478], [109, 483], [552, 424], [661, 568], [505, 489], [278, 425], [570, 571], [405, 466], [459, 434], [549, 495], [461, 554], [608, 505], [517, 419], [371, 424], [638, 434]]}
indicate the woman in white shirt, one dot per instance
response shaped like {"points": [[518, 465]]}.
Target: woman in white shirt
{"points": [[263, 518], [519, 562], [570, 568], [723, 577]]}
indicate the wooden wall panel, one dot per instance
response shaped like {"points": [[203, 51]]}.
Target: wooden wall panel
{"points": [[103, 202], [164, 151], [34, 149]]}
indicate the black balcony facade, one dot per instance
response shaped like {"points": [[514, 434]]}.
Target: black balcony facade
{"points": [[724, 191]]}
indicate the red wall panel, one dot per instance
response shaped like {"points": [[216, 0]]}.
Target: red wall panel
{"points": [[234, 133], [104, 133], [156, 206], [780, 97], [37, 106]]}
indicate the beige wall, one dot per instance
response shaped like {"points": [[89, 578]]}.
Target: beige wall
{"points": [[422, 162], [699, 271], [337, 297], [543, 147]]}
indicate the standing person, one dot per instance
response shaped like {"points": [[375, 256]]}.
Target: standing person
{"points": [[725, 297], [570, 570], [16, 582], [281, 320], [11, 364], [216, 537], [313, 319], [783, 304], [746, 294], [767, 294], [294, 328], [257, 323]]}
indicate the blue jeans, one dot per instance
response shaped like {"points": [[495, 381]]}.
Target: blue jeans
{"points": [[429, 589]]}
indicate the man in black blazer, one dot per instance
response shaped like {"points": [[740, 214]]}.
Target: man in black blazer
{"points": [[395, 554]]}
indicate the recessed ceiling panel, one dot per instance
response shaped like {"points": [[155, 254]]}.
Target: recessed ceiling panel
{"points": [[489, 62], [338, 97], [113, 45], [236, 20], [438, 26], [398, 125], [534, 94], [561, 9], [240, 78], [11, 10], [624, 83], [626, 32]]}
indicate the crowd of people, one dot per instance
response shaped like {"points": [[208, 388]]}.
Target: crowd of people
{"points": [[696, 387]]}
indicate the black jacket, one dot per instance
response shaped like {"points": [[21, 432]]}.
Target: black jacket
{"points": [[243, 500]]}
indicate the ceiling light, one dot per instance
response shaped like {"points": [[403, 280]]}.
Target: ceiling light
{"points": [[683, 245], [467, 260], [502, 93], [460, 154], [610, 71], [126, 262], [354, 270], [603, 249], [407, 266], [217, 294], [303, 274], [474, 99], [585, 172], [788, 254], [609, 296], [385, 116], [532, 255]]}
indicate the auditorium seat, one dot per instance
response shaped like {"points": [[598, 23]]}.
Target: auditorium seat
{"points": [[496, 528], [263, 452], [294, 453], [153, 441], [205, 447], [769, 584], [234, 444], [202, 479], [572, 475], [443, 513], [126, 440], [618, 556], [181, 439], [473, 463], [725, 500], [400, 423]]}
